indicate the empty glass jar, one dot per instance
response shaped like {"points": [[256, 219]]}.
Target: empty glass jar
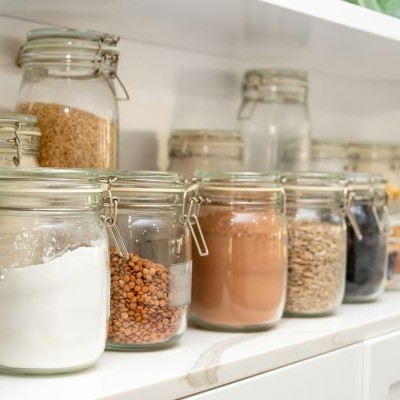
{"points": [[276, 123], [241, 284], [19, 140], [207, 150], [68, 84]]}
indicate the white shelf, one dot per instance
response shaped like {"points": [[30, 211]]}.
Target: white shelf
{"points": [[203, 360], [330, 36]]}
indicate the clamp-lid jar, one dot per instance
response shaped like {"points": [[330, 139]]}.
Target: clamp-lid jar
{"points": [[151, 258], [53, 270]]}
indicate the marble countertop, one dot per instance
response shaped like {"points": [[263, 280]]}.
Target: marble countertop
{"points": [[202, 359]]}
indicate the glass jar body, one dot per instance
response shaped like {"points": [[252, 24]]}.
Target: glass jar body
{"points": [[150, 291], [317, 259], [366, 258], [54, 295], [277, 136], [77, 115], [241, 284]]}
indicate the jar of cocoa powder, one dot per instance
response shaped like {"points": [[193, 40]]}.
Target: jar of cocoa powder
{"points": [[68, 83], [19, 140], [151, 258], [367, 254], [316, 207], [241, 284]]}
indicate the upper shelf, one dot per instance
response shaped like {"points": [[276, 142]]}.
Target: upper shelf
{"points": [[330, 36]]}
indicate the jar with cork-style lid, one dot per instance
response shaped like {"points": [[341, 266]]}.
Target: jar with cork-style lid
{"points": [[206, 150], [151, 278], [316, 208], [275, 120], [54, 275], [241, 284], [68, 83], [19, 140]]}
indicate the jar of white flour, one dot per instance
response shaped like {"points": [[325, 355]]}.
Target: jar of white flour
{"points": [[54, 271]]}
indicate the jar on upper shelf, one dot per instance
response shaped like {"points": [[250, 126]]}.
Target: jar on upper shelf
{"points": [[68, 83], [19, 140], [275, 120], [191, 150]]}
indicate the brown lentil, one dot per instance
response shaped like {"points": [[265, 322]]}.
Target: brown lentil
{"points": [[316, 274], [71, 137], [140, 312]]}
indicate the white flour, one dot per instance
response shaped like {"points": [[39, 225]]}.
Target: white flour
{"points": [[54, 315]]}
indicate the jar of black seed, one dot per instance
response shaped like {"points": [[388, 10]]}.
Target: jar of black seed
{"points": [[367, 240]]}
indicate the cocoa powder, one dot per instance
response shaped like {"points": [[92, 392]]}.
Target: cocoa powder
{"points": [[242, 282]]}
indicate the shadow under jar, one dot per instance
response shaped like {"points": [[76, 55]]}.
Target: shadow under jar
{"points": [[68, 83], [367, 253], [241, 284], [317, 243], [54, 271], [19, 140], [151, 277]]}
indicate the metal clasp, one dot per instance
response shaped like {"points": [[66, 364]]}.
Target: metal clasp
{"points": [[109, 218], [246, 109], [348, 201], [190, 209], [17, 159], [385, 212]]}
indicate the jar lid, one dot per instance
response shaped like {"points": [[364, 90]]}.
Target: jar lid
{"points": [[275, 85], [70, 46], [240, 181], [49, 180], [205, 142], [366, 186], [313, 182], [26, 123]]}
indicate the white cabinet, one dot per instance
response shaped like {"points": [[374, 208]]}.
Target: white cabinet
{"points": [[333, 376], [381, 375]]}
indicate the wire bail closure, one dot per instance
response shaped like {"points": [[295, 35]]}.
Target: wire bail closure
{"points": [[348, 201], [190, 209], [109, 218]]}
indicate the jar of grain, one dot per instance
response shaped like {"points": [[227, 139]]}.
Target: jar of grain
{"points": [[19, 140], [54, 275], [367, 254], [68, 84], [151, 281], [207, 150], [241, 284], [317, 250], [275, 120]]}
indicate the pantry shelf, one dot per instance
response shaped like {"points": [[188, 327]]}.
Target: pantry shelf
{"points": [[330, 36], [203, 360]]}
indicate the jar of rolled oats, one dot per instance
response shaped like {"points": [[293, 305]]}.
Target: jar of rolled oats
{"points": [[19, 140], [151, 258], [68, 83], [316, 208]]}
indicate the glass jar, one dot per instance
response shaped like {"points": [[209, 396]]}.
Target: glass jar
{"points": [[68, 84], [317, 243], [276, 124], [19, 140], [207, 150], [151, 280], [366, 252], [54, 271], [241, 284], [329, 156]]}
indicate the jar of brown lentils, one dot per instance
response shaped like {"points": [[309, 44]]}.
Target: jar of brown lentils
{"points": [[150, 258]]}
